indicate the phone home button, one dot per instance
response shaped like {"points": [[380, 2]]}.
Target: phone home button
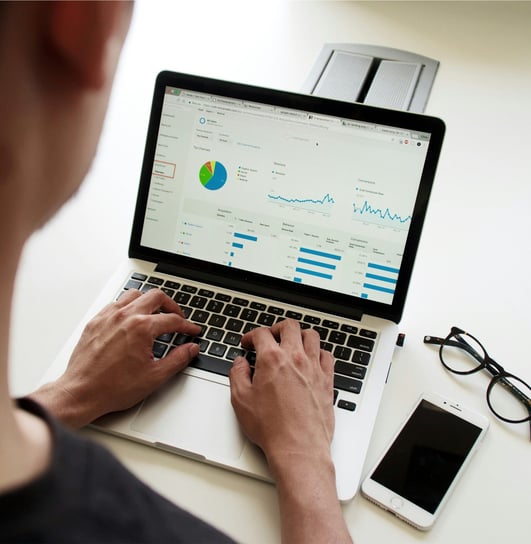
{"points": [[396, 503]]}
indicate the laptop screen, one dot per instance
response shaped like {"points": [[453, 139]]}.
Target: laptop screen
{"points": [[297, 195]]}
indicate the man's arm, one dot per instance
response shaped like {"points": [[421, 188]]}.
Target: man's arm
{"points": [[287, 410], [113, 367]]}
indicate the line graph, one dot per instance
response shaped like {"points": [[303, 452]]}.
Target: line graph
{"points": [[327, 199], [320, 205], [380, 215]]}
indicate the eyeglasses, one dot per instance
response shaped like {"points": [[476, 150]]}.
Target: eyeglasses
{"points": [[508, 396]]}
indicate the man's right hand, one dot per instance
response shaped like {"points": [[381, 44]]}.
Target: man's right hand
{"points": [[287, 410]]}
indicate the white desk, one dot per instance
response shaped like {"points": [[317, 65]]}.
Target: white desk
{"points": [[472, 269]]}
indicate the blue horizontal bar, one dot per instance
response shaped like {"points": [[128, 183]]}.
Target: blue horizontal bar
{"points": [[385, 268], [316, 263], [320, 253], [313, 273], [236, 244], [364, 295], [297, 280], [245, 236], [378, 288], [381, 278]]}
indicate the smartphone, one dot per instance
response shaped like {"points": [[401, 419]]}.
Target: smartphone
{"points": [[417, 472]]}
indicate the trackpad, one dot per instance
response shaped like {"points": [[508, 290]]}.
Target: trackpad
{"points": [[194, 415]]}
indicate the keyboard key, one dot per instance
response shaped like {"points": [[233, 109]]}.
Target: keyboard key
{"points": [[348, 369], [198, 302], [346, 405], [214, 306], [169, 292], [337, 337], [138, 276], [215, 334], [217, 349], [349, 328], [361, 357], [181, 298], [327, 346], [330, 324], [223, 297], [186, 310], [231, 310], [249, 327], [248, 315], [234, 325], [368, 334], [360, 343], [342, 352], [258, 306], [312, 319], [206, 293], [189, 289], [347, 384], [275, 310], [323, 333], [166, 337], [235, 352], [181, 338], [266, 319], [290, 314], [159, 350], [132, 284], [172, 284], [147, 287], [232, 339], [217, 320], [155, 281], [200, 316], [240, 301], [203, 344]]}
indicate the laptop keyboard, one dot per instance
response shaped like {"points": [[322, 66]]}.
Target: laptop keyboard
{"points": [[225, 318]]}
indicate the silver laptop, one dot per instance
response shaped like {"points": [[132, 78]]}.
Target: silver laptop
{"points": [[256, 205]]}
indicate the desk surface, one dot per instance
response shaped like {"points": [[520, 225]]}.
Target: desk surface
{"points": [[472, 267]]}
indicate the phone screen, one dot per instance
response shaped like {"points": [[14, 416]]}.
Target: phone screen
{"points": [[425, 457]]}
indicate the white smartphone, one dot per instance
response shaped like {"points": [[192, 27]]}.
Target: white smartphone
{"points": [[417, 472]]}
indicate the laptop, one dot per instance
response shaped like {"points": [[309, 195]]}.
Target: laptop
{"points": [[256, 205]]}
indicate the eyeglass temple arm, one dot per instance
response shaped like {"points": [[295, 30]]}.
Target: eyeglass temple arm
{"points": [[459, 343]]}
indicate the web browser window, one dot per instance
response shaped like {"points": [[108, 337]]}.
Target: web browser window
{"points": [[303, 197]]}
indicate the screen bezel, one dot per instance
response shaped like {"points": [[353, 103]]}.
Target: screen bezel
{"points": [[257, 284]]}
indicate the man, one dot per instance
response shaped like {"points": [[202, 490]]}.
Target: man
{"points": [[57, 62]]}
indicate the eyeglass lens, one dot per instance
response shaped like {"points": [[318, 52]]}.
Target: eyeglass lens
{"points": [[508, 398], [462, 354]]}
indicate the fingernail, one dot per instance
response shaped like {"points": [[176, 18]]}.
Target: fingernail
{"points": [[193, 350]]}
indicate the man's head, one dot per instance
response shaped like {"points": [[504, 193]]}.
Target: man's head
{"points": [[57, 63]]}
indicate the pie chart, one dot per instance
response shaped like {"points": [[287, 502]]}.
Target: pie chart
{"points": [[213, 175]]}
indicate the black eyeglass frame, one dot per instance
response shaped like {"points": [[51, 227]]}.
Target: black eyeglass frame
{"points": [[485, 361]]}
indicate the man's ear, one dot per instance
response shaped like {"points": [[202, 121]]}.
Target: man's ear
{"points": [[79, 33]]}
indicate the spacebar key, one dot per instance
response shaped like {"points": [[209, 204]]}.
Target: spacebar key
{"points": [[212, 364]]}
